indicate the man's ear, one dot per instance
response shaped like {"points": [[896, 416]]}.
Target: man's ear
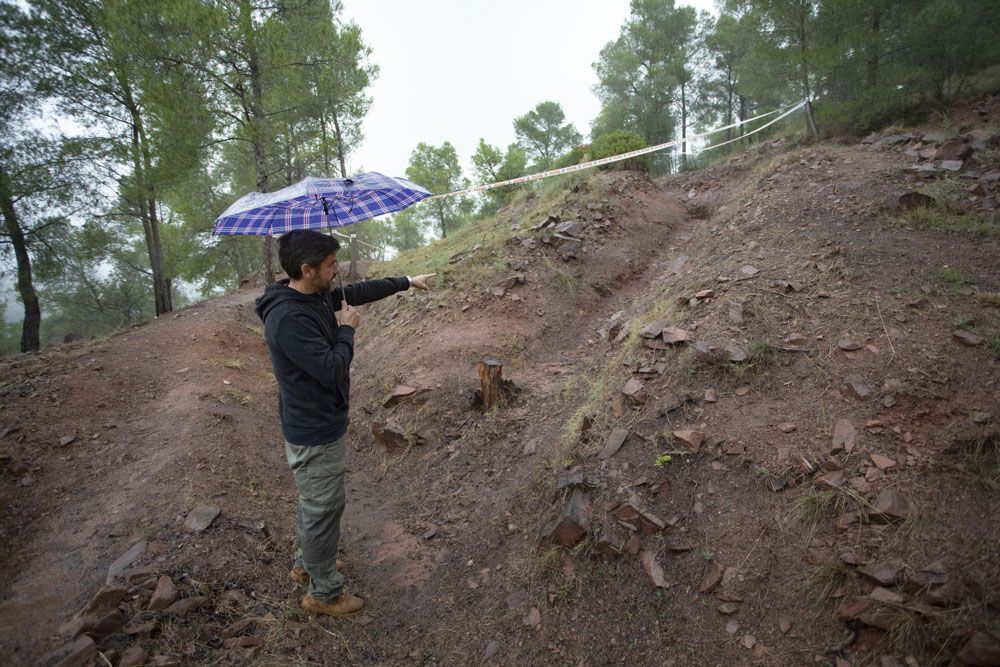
{"points": [[307, 270]]}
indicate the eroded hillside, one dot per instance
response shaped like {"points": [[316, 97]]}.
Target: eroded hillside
{"points": [[761, 404]]}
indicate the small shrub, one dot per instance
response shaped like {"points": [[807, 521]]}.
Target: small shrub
{"points": [[577, 155], [953, 277], [662, 460], [616, 143]]}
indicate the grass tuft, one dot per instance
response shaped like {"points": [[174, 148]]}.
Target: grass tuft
{"points": [[988, 299], [980, 461], [952, 276], [815, 506], [823, 579]]}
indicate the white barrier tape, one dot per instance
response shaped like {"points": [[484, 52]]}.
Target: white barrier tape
{"points": [[620, 157], [353, 238], [767, 124]]}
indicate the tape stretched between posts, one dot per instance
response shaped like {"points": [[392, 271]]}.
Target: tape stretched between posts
{"points": [[354, 237], [765, 125], [625, 156]]}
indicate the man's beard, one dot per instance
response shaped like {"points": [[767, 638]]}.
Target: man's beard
{"points": [[322, 285]]}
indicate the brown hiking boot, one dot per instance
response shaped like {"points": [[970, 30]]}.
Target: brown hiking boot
{"points": [[345, 605], [299, 575]]}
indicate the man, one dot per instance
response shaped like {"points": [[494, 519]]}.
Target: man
{"points": [[311, 351]]}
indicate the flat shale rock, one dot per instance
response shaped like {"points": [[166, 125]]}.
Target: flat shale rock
{"points": [[572, 524], [890, 506], [968, 338], [845, 437], [981, 650], [74, 654], [614, 442], [201, 517], [653, 568]]}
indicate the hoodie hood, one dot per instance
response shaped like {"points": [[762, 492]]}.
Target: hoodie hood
{"points": [[277, 293]]}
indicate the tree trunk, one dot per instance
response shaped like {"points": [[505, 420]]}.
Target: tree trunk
{"points": [[683, 127], [257, 121], [874, 43], [340, 145], [743, 117], [326, 145], [730, 88], [804, 63], [146, 199], [440, 212], [32, 311], [162, 296], [491, 382], [352, 270], [810, 121]]}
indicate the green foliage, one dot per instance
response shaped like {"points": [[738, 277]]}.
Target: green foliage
{"points": [[618, 142], [438, 170], [952, 276], [575, 156], [407, 230], [645, 74], [544, 135], [494, 166], [662, 460]]}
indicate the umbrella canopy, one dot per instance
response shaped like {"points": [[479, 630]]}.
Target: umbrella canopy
{"points": [[315, 203]]}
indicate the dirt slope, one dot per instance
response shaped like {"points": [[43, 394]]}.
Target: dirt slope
{"points": [[442, 536]]}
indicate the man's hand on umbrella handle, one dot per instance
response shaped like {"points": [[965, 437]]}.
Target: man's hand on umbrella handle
{"points": [[420, 282], [349, 316]]}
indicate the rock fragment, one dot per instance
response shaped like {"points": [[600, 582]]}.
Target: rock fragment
{"points": [[400, 392], [74, 654], [692, 439], [968, 338], [890, 506], [844, 437], [164, 594], [571, 525], [856, 385], [614, 442], [653, 568], [907, 200]]}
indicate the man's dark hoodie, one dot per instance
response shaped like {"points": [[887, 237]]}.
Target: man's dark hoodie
{"points": [[311, 355]]}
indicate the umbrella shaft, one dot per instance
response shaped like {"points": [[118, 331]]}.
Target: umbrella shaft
{"points": [[343, 294]]}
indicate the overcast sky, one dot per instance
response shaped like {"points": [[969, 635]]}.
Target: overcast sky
{"points": [[458, 70]]}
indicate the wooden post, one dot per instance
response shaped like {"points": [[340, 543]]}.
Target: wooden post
{"points": [[491, 381]]}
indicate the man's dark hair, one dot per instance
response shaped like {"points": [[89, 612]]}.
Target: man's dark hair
{"points": [[304, 246]]}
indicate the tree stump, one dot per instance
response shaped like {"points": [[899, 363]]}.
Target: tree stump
{"points": [[491, 381]]}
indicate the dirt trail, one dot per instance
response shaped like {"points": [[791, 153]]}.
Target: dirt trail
{"points": [[441, 539], [145, 407]]}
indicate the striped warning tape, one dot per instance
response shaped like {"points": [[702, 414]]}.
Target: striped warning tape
{"points": [[626, 156]]}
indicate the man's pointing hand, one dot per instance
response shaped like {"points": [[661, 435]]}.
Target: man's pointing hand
{"points": [[420, 282]]}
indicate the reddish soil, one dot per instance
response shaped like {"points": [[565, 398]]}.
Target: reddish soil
{"points": [[442, 539]]}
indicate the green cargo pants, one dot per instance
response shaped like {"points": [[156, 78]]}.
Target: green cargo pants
{"points": [[319, 476]]}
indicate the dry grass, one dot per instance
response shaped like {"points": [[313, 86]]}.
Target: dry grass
{"points": [[822, 580], [816, 506], [988, 299], [979, 462]]}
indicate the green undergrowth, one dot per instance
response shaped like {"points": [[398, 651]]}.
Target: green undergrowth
{"points": [[946, 214], [461, 265]]}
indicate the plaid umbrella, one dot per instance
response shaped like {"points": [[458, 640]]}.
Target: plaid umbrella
{"points": [[315, 203]]}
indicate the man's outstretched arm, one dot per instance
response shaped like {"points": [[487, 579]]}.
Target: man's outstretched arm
{"points": [[373, 290]]}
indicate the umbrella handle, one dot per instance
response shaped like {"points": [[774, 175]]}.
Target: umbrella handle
{"points": [[343, 294]]}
